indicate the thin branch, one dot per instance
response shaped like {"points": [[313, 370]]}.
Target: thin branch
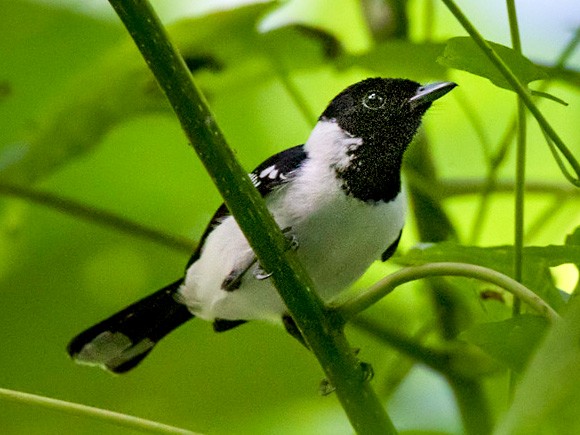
{"points": [[97, 216], [123, 420], [473, 405], [466, 186], [451, 188], [385, 286], [298, 99], [520, 174]]}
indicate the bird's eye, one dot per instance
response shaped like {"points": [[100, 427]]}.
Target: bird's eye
{"points": [[374, 100]]}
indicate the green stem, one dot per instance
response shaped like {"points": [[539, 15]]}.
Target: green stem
{"points": [[97, 216], [520, 180], [466, 186], [520, 164], [385, 286], [320, 330], [115, 418], [473, 405], [411, 347], [429, 20], [292, 90], [494, 163], [520, 89]]}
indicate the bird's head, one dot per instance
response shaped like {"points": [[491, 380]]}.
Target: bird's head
{"points": [[365, 130], [388, 108]]}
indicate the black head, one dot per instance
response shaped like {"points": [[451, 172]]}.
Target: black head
{"points": [[385, 114], [376, 107]]}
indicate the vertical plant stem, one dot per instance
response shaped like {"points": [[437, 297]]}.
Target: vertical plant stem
{"points": [[473, 405], [293, 92], [520, 163], [520, 178], [321, 330], [429, 20], [519, 200]]}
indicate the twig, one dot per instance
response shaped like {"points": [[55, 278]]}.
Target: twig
{"points": [[98, 216], [378, 291], [124, 420]]}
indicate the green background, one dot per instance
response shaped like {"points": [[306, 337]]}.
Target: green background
{"points": [[60, 274]]}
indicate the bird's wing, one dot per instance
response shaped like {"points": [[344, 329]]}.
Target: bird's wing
{"points": [[267, 177]]}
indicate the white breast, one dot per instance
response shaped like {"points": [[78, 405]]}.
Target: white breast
{"points": [[339, 237]]}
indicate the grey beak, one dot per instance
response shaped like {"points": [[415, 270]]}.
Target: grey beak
{"points": [[429, 93]]}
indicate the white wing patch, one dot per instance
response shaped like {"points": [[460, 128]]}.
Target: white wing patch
{"points": [[255, 179], [271, 172]]}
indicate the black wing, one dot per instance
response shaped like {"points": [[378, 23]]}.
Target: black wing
{"points": [[269, 175], [276, 170], [392, 248]]}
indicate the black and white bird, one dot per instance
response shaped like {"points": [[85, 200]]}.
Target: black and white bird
{"points": [[339, 196]]}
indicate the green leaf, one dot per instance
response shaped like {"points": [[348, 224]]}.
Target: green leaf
{"points": [[42, 48], [119, 86], [463, 53], [547, 398], [399, 58], [510, 341], [574, 238], [536, 266]]}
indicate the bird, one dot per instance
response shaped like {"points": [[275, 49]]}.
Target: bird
{"points": [[339, 200]]}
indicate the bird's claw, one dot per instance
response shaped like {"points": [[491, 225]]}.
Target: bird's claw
{"points": [[326, 388], [260, 274], [291, 238], [368, 371]]}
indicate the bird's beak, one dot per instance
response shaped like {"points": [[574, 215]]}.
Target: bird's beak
{"points": [[429, 93]]}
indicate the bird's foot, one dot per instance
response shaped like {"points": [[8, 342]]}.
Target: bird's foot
{"points": [[292, 243]]}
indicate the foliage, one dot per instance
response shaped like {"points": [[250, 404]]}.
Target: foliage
{"points": [[76, 99]]}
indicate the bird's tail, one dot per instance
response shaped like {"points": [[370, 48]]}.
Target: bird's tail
{"points": [[121, 342]]}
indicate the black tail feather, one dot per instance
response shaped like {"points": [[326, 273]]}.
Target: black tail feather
{"points": [[121, 342]]}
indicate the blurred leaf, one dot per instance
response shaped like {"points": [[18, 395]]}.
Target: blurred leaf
{"points": [[547, 398], [510, 341], [433, 223], [42, 49], [423, 432], [401, 59], [574, 238], [463, 53], [226, 63], [536, 266], [119, 86]]}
